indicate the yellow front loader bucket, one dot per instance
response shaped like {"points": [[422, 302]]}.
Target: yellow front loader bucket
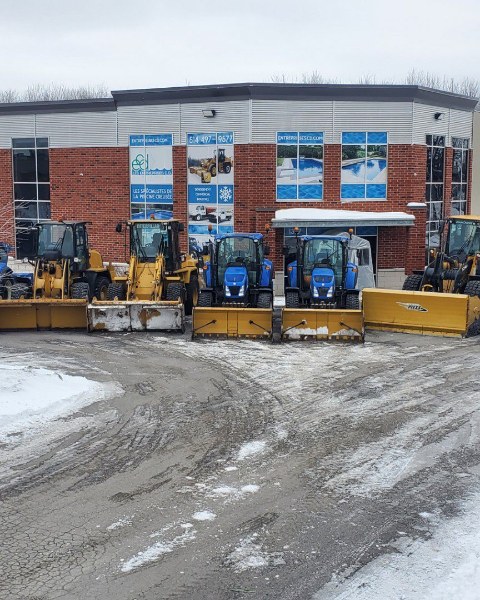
{"points": [[322, 324], [232, 322], [136, 316], [424, 313], [43, 313]]}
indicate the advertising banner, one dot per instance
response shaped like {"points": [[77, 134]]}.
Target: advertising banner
{"points": [[210, 177], [364, 165], [299, 165], [151, 175]]}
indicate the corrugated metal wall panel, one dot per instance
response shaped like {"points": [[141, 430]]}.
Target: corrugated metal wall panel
{"points": [[79, 129], [461, 124], [229, 116], [164, 118], [12, 126], [457, 123], [270, 116], [394, 117]]}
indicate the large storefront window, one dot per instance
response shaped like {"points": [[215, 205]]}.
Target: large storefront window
{"points": [[364, 165], [434, 190], [31, 183], [299, 165], [459, 176]]}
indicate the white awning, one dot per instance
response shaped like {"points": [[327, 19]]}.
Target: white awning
{"points": [[324, 217]]}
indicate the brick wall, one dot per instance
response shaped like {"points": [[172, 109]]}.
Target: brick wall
{"points": [[7, 229]]}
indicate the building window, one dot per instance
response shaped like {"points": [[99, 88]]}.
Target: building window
{"points": [[31, 183], [435, 178], [460, 175], [299, 165], [364, 165]]}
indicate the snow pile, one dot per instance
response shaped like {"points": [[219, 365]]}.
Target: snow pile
{"points": [[251, 449], [250, 555], [204, 515], [31, 397], [231, 492]]}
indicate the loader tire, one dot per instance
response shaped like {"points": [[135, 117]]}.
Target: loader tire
{"points": [[352, 301], [450, 274], [100, 289], [213, 171], [205, 299], [472, 289], [412, 283], [116, 290], [80, 291], [191, 298], [227, 167], [292, 300], [264, 300], [19, 290], [474, 329], [176, 292]]}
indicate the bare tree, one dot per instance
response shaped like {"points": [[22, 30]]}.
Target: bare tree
{"points": [[55, 91]]}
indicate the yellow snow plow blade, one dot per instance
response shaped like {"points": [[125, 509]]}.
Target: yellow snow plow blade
{"points": [[41, 313], [232, 322], [322, 324], [136, 316], [424, 313]]}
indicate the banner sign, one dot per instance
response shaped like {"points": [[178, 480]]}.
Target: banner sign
{"points": [[364, 165], [151, 175], [210, 178]]}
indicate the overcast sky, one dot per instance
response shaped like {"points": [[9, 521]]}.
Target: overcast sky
{"points": [[140, 44]]}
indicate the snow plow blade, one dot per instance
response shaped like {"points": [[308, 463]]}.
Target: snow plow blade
{"points": [[41, 313], [423, 313], [136, 316], [232, 322], [322, 324]]}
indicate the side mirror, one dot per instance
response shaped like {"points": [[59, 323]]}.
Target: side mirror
{"points": [[118, 228], [181, 227], [285, 251], [266, 250]]}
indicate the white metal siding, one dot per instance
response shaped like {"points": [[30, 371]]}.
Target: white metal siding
{"points": [[164, 118], [461, 124], [14, 126], [229, 116], [456, 123], [476, 165], [78, 129]]}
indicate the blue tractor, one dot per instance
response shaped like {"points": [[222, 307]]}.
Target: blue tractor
{"points": [[321, 275], [237, 272]]}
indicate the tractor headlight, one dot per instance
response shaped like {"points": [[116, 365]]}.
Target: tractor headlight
{"points": [[315, 292], [330, 292], [227, 291], [241, 291]]}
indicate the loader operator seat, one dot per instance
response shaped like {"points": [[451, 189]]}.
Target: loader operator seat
{"points": [[153, 249]]}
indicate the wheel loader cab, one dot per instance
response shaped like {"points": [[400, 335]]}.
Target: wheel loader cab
{"points": [[150, 239], [463, 239]]}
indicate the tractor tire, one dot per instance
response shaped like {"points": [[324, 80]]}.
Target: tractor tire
{"points": [[352, 302], [292, 300], [412, 283], [205, 299], [227, 167], [116, 290], [176, 292], [100, 290], [264, 300], [213, 171], [19, 290], [80, 291], [450, 274], [472, 289], [192, 290], [198, 217], [474, 329]]}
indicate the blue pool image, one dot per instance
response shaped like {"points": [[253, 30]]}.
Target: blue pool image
{"points": [[309, 167], [361, 170]]}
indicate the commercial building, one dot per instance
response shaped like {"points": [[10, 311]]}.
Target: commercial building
{"points": [[389, 161]]}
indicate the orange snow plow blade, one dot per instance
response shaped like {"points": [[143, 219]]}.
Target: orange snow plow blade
{"points": [[322, 324]]}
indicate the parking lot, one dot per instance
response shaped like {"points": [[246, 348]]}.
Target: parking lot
{"points": [[218, 469]]}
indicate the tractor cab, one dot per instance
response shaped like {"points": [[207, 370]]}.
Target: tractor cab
{"points": [[152, 238], [463, 239]]}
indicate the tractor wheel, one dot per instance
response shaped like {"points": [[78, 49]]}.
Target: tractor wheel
{"points": [[450, 274], [116, 290], [472, 289], [176, 292], [213, 171], [198, 217], [292, 300], [191, 299], [352, 301], [80, 291], [412, 283], [19, 290], [227, 167], [474, 329], [205, 299], [100, 290], [264, 300]]}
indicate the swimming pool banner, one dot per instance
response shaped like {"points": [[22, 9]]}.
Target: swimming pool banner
{"points": [[151, 175], [210, 182], [364, 165], [299, 165]]}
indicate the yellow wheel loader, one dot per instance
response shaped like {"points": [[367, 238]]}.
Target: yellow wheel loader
{"points": [[444, 299], [161, 285], [67, 274]]}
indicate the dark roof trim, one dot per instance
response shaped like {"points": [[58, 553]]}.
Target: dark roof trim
{"points": [[247, 91], [57, 106]]}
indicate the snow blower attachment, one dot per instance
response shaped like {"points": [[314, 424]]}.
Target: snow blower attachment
{"points": [[321, 288], [67, 274], [161, 285], [444, 299], [237, 300]]}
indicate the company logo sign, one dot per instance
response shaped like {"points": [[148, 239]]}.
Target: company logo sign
{"points": [[412, 306]]}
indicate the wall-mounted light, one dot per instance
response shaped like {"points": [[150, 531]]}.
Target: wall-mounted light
{"points": [[439, 116], [208, 113]]}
